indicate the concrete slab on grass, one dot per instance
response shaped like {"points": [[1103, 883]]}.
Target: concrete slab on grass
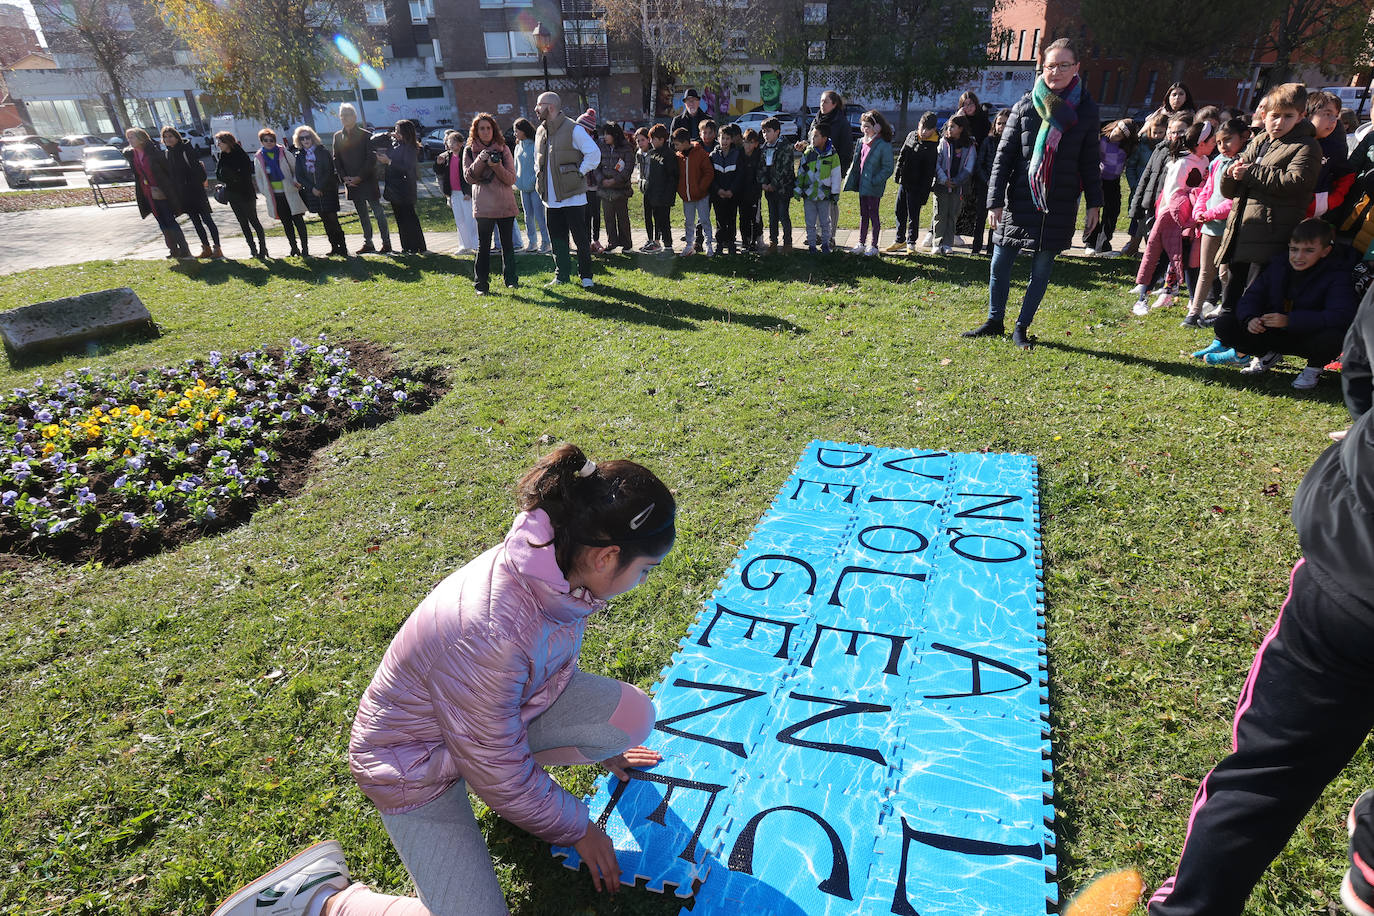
{"points": [[62, 323]]}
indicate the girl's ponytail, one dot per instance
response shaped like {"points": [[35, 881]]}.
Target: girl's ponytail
{"points": [[616, 503]]}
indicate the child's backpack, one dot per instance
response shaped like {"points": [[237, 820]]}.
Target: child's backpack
{"points": [[1356, 226]]}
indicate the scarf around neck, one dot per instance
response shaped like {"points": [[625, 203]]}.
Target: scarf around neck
{"points": [[1058, 113]]}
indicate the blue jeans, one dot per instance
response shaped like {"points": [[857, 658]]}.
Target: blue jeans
{"points": [[534, 216], [999, 283]]}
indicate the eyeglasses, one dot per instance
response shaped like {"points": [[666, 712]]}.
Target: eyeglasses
{"points": [[1055, 68]]}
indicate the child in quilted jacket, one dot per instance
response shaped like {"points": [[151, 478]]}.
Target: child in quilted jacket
{"points": [[1211, 209], [480, 690], [1174, 214]]}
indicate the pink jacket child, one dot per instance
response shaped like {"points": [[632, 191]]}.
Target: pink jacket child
{"points": [[1173, 218], [480, 690]]}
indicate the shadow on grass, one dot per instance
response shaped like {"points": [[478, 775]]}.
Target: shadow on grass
{"points": [[605, 301], [1271, 383], [400, 268]]}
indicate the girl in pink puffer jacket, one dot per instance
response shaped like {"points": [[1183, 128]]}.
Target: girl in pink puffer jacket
{"points": [[480, 690]]}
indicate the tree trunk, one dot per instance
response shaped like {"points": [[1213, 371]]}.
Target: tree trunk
{"points": [[307, 108], [902, 112], [653, 83]]}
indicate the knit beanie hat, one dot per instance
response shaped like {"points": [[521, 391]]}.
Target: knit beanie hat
{"points": [[588, 119]]}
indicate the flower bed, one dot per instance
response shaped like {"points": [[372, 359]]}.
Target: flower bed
{"points": [[114, 466]]}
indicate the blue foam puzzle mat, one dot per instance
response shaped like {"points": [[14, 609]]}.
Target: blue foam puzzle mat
{"points": [[857, 722]]}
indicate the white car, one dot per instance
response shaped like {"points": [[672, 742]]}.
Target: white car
{"points": [[73, 146], [755, 120], [199, 142]]}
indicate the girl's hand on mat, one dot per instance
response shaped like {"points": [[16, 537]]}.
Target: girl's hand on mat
{"points": [[596, 850], [638, 756]]}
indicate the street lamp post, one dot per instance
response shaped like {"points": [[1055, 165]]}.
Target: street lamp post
{"points": [[542, 39]]}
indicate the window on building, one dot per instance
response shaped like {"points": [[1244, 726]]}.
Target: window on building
{"points": [[815, 50], [438, 57], [491, 4], [424, 92], [743, 88], [421, 11], [369, 95], [1106, 82], [1035, 45], [338, 95], [522, 46], [375, 11], [1021, 46], [498, 46], [1151, 86], [815, 13]]}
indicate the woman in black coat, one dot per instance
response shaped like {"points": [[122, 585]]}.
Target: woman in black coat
{"points": [[155, 189], [191, 179], [234, 172], [319, 185], [401, 188], [1046, 227]]}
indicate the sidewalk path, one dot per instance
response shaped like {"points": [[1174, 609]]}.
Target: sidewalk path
{"points": [[48, 238]]}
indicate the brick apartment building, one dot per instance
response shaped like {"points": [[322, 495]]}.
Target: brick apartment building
{"points": [[1110, 80]]}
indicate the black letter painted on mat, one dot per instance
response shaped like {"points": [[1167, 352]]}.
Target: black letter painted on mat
{"points": [[825, 488], [855, 570], [894, 652], [960, 536], [775, 575], [978, 660], [998, 501], [846, 708], [921, 538], [901, 905], [820, 457], [742, 695], [658, 814], [837, 885], [754, 620], [892, 465]]}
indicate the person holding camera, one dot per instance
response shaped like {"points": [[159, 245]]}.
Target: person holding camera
{"points": [[489, 166]]}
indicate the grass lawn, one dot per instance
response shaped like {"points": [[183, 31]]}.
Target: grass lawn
{"points": [[174, 727]]}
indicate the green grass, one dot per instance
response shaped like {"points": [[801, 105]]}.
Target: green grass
{"points": [[172, 728]]}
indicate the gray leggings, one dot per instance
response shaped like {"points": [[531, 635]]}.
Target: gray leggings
{"points": [[440, 843]]}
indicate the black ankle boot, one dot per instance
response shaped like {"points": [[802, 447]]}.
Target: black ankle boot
{"points": [[1020, 338], [988, 328]]}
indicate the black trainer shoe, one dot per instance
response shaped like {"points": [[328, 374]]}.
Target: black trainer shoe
{"points": [[988, 328]]}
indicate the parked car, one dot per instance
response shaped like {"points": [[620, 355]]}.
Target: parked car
{"points": [[433, 142], [199, 141], [73, 147], [26, 164], [755, 120], [1356, 98], [105, 164], [48, 146]]}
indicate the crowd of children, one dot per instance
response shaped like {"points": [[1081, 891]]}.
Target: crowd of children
{"points": [[1212, 196]]}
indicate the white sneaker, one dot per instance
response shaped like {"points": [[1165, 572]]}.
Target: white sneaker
{"points": [[1140, 308], [588, 282], [946, 249], [1163, 300], [1109, 254], [531, 247], [545, 248], [688, 250], [859, 249], [287, 889], [1139, 291], [928, 241], [1089, 251], [1209, 309], [1307, 378], [871, 250], [1262, 364]]}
